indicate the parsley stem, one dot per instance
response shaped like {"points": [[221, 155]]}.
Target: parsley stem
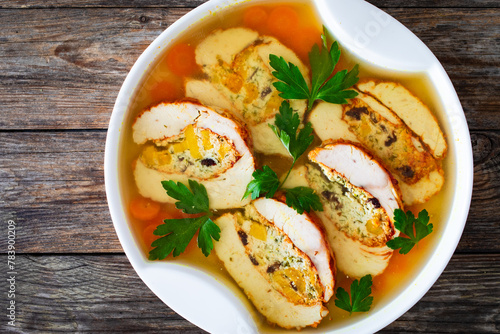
{"points": [[312, 99], [287, 174], [310, 103]]}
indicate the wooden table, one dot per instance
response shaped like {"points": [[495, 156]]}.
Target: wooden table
{"points": [[62, 63]]}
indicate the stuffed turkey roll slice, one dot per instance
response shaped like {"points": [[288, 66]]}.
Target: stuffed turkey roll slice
{"points": [[359, 199], [239, 78], [281, 261], [411, 110], [387, 137], [186, 140], [305, 234]]}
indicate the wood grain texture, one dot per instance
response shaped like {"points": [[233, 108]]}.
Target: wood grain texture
{"points": [[35, 4], [87, 294], [66, 70], [103, 293], [67, 74], [62, 63], [52, 184]]}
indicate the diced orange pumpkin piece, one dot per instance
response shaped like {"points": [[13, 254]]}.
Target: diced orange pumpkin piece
{"points": [[180, 147], [373, 226], [152, 156], [286, 278], [258, 231], [223, 149], [205, 136], [149, 156], [192, 142], [164, 158]]}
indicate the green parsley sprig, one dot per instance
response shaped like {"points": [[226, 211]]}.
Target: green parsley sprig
{"points": [[324, 85], [266, 182], [286, 127], [291, 84], [303, 199], [415, 228], [360, 299], [177, 233]]}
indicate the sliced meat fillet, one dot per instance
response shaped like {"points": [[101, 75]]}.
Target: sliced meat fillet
{"points": [[305, 235], [424, 189], [361, 170], [186, 140], [264, 139], [359, 198], [241, 73], [329, 124], [411, 110], [222, 45], [207, 94], [280, 279], [394, 144]]}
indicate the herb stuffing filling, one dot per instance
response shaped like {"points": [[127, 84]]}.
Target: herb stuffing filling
{"points": [[196, 152], [394, 143], [202, 154], [274, 255], [355, 212], [247, 82]]}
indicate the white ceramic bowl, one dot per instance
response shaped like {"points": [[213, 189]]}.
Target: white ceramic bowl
{"points": [[371, 35]]}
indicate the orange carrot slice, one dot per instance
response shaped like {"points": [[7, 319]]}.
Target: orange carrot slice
{"points": [[165, 90], [304, 40], [283, 22], [181, 60], [255, 18], [143, 208]]}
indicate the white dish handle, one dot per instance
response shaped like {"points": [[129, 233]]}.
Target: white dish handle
{"points": [[374, 36]]}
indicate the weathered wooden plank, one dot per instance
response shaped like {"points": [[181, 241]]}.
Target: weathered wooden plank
{"points": [[450, 41], [486, 149], [52, 185], [194, 3], [66, 74], [68, 294], [460, 301], [38, 4], [103, 294]]}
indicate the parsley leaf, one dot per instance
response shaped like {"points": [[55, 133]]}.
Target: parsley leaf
{"points": [[324, 85], [177, 233], [287, 123], [415, 228], [303, 199], [360, 300], [335, 90], [196, 202], [208, 231], [292, 84], [264, 182], [322, 63]]}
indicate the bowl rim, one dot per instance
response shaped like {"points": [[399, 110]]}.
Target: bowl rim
{"points": [[205, 283]]}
